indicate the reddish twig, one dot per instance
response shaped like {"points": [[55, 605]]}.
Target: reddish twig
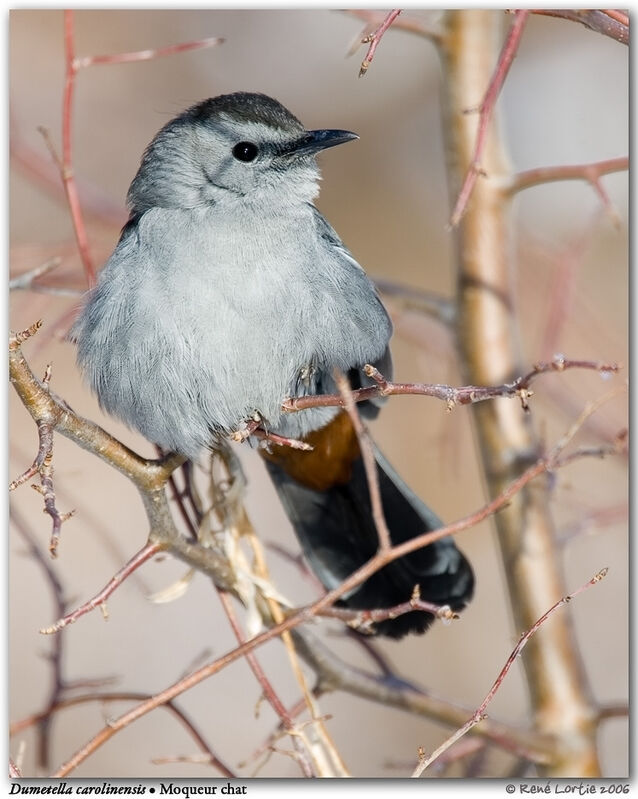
{"points": [[55, 657], [302, 755], [364, 621], [591, 173], [67, 151], [465, 395], [72, 65], [269, 437], [99, 600], [609, 22], [562, 288], [369, 463], [147, 55], [25, 280], [373, 40], [479, 714], [485, 110], [124, 696], [374, 19], [14, 771], [39, 169], [601, 517]]}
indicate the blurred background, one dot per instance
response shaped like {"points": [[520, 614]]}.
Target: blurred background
{"points": [[564, 102]]}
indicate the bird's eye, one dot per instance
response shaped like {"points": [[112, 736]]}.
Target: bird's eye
{"points": [[245, 151]]}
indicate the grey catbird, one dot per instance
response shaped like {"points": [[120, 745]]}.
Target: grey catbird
{"points": [[228, 292]]}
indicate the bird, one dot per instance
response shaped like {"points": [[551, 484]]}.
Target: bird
{"points": [[227, 293]]}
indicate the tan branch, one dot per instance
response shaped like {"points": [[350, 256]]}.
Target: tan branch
{"points": [[489, 340]]}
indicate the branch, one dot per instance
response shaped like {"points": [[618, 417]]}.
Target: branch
{"points": [[364, 620], [408, 24], [124, 696], [464, 395], [45, 407], [14, 771], [147, 55], [374, 38], [609, 22], [391, 690], [72, 65], [479, 714], [66, 167], [591, 173], [485, 109], [148, 551], [55, 657], [149, 476], [369, 463], [25, 281], [42, 465], [303, 749]]}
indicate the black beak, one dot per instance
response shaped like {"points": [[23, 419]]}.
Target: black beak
{"points": [[315, 140]]}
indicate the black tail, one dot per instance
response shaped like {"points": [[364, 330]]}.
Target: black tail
{"points": [[338, 534]]}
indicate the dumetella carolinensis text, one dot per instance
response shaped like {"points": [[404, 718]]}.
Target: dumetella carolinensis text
{"points": [[228, 292]]}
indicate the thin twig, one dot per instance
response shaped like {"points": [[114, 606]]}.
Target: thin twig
{"points": [[82, 62], [67, 151], [42, 465], [408, 24], [479, 714], [369, 463], [610, 22], [25, 280], [14, 771], [364, 621], [485, 109], [301, 745], [591, 173], [464, 395], [392, 690], [99, 600], [55, 657], [373, 39], [39, 169], [268, 437], [124, 696]]}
